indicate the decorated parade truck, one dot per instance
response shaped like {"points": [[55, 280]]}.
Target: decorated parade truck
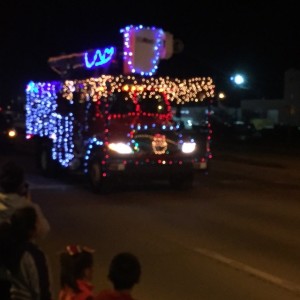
{"points": [[111, 127]]}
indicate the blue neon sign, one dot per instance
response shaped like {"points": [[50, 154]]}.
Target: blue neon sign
{"points": [[100, 57]]}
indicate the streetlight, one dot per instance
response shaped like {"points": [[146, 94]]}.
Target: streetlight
{"points": [[238, 79], [221, 96]]}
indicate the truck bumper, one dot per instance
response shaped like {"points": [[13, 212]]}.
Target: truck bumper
{"points": [[152, 171]]}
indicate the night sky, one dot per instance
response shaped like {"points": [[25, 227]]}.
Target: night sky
{"points": [[259, 39]]}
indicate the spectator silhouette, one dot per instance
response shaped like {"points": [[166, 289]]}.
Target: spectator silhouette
{"points": [[76, 270], [26, 263], [14, 194], [124, 273]]}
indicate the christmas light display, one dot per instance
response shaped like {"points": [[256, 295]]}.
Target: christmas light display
{"points": [[118, 122], [99, 58], [44, 120], [146, 36]]}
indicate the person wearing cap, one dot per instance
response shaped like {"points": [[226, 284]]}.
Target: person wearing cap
{"points": [[124, 273], [76, 272], [15, 193]]}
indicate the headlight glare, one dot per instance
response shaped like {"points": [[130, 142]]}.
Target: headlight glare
{"points": [[120, 148], [188, 147]]}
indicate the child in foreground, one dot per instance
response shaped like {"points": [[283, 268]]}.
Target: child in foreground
{"points": [[124, 273], [76, 264]]}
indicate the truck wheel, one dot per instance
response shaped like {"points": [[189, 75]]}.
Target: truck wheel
{"points": [[47, 166], [97, 182]]}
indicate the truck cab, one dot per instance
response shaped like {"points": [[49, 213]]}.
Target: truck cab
{"points": [[111, 133]]}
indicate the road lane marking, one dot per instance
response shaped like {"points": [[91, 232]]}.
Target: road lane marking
{"points": [[285, 284]]}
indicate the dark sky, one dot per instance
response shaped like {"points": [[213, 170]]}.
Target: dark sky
{"points": [[259, 39]]}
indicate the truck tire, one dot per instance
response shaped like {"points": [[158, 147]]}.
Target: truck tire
{"points": [[98, 183], [46, 165]]}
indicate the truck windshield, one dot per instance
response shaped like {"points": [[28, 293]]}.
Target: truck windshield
{"points": [[121, 103], [152, 103]]}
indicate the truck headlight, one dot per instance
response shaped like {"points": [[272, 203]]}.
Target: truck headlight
{"points": [[120, 148], [188, 147]]}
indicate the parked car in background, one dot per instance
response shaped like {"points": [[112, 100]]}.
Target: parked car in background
{"points": [[243, 131], [234, 130]]}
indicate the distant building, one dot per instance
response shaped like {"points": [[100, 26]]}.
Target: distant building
{"points": [[292, 97], [284, 111]]}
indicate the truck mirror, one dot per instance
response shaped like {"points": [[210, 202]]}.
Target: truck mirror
{"points": [[178, 111], [63, 105]]}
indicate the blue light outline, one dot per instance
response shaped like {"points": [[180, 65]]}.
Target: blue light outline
{"points": [[99, 58]]}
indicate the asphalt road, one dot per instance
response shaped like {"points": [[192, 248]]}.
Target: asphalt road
{"points": [[235, 235]]}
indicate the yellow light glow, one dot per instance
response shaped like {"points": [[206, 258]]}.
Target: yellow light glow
{"points": [[12, 133], [176, 90]]}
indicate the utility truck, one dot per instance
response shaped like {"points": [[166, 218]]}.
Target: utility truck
{"points": [[113, 127]]}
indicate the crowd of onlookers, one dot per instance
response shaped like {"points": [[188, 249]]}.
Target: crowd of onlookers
{"points": [[24, 268]]}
